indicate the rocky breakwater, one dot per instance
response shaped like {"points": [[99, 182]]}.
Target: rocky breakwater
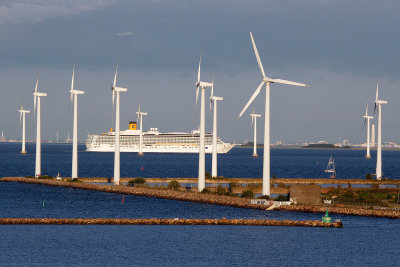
{"points": [[176, 221], [393, 214], [146, 192]]}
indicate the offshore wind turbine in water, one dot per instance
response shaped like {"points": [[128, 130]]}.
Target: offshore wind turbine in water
{"points": [[366, 121], [74, 96], [36, 98], [254, 119], [378, 105], [266, 187], [115, 98], [201, 85], [140, 115], [213, 102], [22, 113]]}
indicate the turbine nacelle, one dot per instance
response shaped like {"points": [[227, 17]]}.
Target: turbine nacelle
{"points": [[204, 84], [119, 89], [381, 102], [37, 94], [141, 114], [255, 115], [216, 98], [77, 92]]}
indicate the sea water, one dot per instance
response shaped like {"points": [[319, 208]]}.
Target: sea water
{"points": [[238, 163], [363, 241]]}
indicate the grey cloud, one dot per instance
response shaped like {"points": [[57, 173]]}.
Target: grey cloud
{"points": [[33, 11], [124, 33]]}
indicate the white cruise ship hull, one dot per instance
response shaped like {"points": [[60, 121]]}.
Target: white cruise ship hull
{"points": [[221, 149], [154, 142]]}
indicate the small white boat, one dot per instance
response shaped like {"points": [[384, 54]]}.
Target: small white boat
{"points": [[331, 168], [58, 176]]}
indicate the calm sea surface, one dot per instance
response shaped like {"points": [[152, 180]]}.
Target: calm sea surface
{"points": [[362, 242], [238, 163]]}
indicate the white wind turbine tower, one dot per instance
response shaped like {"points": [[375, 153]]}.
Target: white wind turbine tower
{"points": [[140, 117], [36, 97], [366, 120], [266, 158], [378, 104], [202, 165], [373, 135], [213, 101], [22, 113], [115, 91], [74, 95], [254, 119]]}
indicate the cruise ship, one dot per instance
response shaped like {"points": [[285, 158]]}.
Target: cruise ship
{"points": [[153, 141]]}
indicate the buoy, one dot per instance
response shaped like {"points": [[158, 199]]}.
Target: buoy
{"points": [[43, 203], [326, 218], [123, 197]]}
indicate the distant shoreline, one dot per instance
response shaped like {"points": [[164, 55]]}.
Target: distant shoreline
{"points": [[315, 148]]}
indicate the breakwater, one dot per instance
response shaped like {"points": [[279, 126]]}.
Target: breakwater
{"points": [[392, 214], [231, 201], [175, 221], [221, 200]]}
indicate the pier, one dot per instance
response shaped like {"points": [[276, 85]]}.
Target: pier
{"points": [[175, 221]]}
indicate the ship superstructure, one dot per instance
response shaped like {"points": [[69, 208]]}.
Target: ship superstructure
{"points": [[153, 141]]}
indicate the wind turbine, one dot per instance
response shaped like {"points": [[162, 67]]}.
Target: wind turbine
{"points": [[115, 92], [22, 113], [213, 101], [74, 95], [140, 117], [254, 119], [36, 98], [202, 165], [378, 104], [266, 158], [366, 120]]}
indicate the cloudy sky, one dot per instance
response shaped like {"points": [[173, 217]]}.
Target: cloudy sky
{"points": [[340, 48]]}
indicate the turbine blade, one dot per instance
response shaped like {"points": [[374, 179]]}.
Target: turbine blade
{"points": [[113, 98], [377, 88], [72, 83], [36, 85], [288, 82], [115, 75], [365, 121], [257, 55], [198, 72], [35, 96], [20, 116], [256, 92], [197, 94], [375, 106]]}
